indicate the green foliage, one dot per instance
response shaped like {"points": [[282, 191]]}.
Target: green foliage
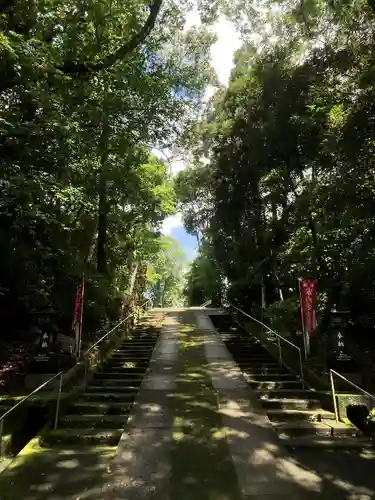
{"points": [[192, 187], [284, 316], [166, 273], [86, 90], [204, 280], [290, 155]]}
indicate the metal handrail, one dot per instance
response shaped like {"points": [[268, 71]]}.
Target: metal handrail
{"points": [[205, 304], [107, 334], [98, 342], [113, 329], [60, 374], [279, 338], [359, 389], [35, 391]]}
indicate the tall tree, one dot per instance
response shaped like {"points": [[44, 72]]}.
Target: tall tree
{"points": [[86, 89]]}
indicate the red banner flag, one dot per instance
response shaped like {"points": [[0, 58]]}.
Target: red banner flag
{"points": [[78, 305], [308, 292], [77, 316]]}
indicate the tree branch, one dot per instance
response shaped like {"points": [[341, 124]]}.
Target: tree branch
{"points": [[73, 67]]}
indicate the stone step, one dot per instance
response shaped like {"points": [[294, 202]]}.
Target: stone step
{"points": [[120, 371], [324, 443], [242, 348], [290, 404], [241, 352], [253, 358], [123, 374], [140, 341], [228, 336], [276, 384], [294, 429], [136, 360], [127, 363], [142, 336], [141, 355], [268, 377], [246, 343], [93, 421], [250, 362], [285, 393], [249, 365], [283, 415], [265, 370], [108, 396], [110, 408], [78, 436], [244, 339], [134, 348], [237, 344], [133, 352], [118, 382], [112, 388], [136, 370]]}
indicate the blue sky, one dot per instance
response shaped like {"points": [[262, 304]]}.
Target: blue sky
{"points": [[222, 52], [188, 243]]}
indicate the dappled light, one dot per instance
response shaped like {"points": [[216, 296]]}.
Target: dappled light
{"points": [[187, 241], [196, 429]]}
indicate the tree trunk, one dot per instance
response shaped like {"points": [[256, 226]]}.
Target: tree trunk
{"points": [[133, 277], [103, 202], [198, 240], [276, 279], [163, 293]]}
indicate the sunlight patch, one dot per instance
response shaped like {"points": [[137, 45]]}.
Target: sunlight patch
{"points": [[68, 464]]}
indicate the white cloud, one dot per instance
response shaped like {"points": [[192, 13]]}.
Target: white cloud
{"points": [[222, 52], [172, 222], [228, 41], [175, 162], [177, 165], [210, 91]]}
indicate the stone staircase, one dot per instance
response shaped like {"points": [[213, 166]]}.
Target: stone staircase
{"points": [[295, 411], [99, 414]]}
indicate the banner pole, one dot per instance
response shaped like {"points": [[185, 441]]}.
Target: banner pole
{"points": [[81, 316], [301, 302]]}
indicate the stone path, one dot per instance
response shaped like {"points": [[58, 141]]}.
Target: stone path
{"points": [[197, 432]]}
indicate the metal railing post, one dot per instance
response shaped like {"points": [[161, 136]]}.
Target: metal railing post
{"points": [[7, 413], [334, 396], [280, 352], [1, 436], [100, 358], [58, 401], [235, 311], [301, 368]]}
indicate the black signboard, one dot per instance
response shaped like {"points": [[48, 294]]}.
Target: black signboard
{"points": [[43, 355], [340, 350], [45, 341], [42, 358], [340, 357]]}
